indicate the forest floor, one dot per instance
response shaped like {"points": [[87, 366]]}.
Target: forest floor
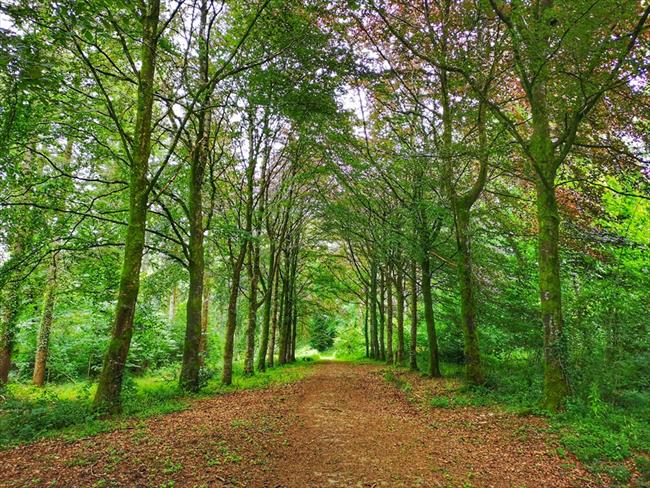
{"points": [[343, 425]]}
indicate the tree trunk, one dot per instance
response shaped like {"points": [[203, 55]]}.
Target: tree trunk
{"points": [[290, 310], [399, 289], [382, 314], [266, 314], [413, 346], [473, 368], [189, 377], [389, 317], [253, 277], [556, 386], [434, 366], [108, 395], [365, 324], [7, 331], [286, 314], [203, 344], [374, 340], [43, 344], [294, 323], [231, 321], [250, 208], [191, 366], [278, 313]]}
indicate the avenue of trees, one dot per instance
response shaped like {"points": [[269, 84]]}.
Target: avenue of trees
{"points": [[211, 187]]}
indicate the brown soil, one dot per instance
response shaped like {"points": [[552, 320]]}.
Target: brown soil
{"points": [[342, 426]]}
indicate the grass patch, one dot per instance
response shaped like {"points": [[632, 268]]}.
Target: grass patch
{"points": [[28, 413], [401, 383], [602, 435], [439, 402]]}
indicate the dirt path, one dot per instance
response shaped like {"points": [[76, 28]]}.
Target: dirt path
{"points": [[343, 426]]}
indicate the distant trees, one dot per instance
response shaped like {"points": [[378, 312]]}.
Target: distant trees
{"points": [[321, 333]]}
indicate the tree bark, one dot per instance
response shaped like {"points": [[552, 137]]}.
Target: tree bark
{"points": [[413, 346], [545, 165], [462, 206], [108, 394], [382, 313], [266, 314], [231, 321], [253, 277], [43, 344], [285, 320], [365, 323], [278, 313], [291, 310], [556, 386], [7, 332], [434, 366], [191, 366], [389, 317], [374, 340], [250, 208], [294, 326], [189, 377], [399, 289], [473, 368], [203, 344]]}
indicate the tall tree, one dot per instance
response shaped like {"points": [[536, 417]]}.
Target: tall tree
{"points": [[109, 388], [43, 341], [554, 43]]}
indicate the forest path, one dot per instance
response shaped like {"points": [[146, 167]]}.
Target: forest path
{"points": [[342, 426]]}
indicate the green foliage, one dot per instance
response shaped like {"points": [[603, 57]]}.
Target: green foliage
{"points": [[322, 331], [29, 413], [349, 342]]}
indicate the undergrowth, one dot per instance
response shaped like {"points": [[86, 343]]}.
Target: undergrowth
{"points": [[28, 413], [605, 436]]}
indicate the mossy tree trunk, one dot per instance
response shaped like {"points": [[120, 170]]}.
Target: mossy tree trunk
{"points": [[294, 326], [108, 394], [191, 365], [266, 312], [365, 322], [473, 369], [189, 377], [413, 344], [278, 312], [231, 319], [382, 313], [556, 385], [399, 290], [545, 165], [374, 340], [427, 298], [203, 344], [43, 342], [253, 279], [274, 315], [462, 203], [287, 308], [389, 316], [7, 331]]}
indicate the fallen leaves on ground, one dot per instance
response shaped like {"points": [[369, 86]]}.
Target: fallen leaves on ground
{"points": [[342, 426]]}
